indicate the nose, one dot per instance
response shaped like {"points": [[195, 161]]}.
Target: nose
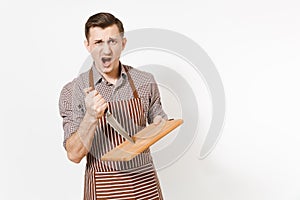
{"points": [[106, 49]]}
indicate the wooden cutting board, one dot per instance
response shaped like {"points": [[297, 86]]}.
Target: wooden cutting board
{"points": [[143, 140]]}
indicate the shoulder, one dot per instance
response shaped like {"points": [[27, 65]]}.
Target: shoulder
{"points": [[66, 91], [140, 76], [75, 86]]}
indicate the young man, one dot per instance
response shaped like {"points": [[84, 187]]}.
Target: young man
{"points": [[132, 96]]}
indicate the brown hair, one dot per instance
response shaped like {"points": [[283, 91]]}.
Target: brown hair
{"points": [[102, 20]]}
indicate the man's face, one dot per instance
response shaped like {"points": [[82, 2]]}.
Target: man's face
{"points": [[105, 46]]}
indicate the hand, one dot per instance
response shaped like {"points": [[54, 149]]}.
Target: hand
{"points": [[95, 103], [157, 120]]}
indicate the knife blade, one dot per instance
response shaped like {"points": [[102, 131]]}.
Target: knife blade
{"points": [[117, 126]]}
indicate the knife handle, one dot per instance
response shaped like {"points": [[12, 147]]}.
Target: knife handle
{"points": [[106, 111]]}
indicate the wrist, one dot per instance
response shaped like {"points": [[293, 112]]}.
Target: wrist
{"points": [[90, 118]]}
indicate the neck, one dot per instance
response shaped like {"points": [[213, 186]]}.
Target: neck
{"points": [[110, 79], [114, 75]]}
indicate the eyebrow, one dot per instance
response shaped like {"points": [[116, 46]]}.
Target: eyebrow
{"points": [[101, 40], [113, 38], [98, 40]]}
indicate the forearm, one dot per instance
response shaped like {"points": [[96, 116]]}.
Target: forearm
{"points": [[155, 105], [79, 144]]}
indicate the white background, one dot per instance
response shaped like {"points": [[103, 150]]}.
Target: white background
{"points": [[254, 45]]}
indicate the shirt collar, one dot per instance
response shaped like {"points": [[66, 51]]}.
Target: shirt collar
{"points": [[98, 76]]}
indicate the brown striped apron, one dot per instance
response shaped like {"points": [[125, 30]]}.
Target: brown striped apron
{"points": [[134, 179]]}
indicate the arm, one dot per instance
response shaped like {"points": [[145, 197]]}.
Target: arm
{"points": [[80, 142], [156, 112], [80, 128]]}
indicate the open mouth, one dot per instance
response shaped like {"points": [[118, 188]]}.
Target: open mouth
{"points": [[106, 60]]}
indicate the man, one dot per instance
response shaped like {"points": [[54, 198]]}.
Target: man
{"points": [[132, 96]]}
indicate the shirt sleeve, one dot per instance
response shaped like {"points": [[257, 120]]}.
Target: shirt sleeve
{"points": [[71, 110], [155, 105]]}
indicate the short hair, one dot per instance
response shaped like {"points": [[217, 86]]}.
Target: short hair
{"points": [[102, 20]]}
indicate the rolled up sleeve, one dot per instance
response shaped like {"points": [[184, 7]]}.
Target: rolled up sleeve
{"points": [[71, 110], [155, 105]]}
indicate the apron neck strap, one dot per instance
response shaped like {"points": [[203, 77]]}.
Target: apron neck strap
{"points": [[134, 91], [91, 79]]}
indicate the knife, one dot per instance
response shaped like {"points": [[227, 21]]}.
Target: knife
{"points": [[117, 126]]}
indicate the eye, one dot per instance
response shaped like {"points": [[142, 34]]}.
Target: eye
{"points": [[112, 41], [98, 42]]}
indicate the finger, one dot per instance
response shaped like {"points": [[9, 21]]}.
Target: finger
{"points": [[105, 106], [93, 93], [102, 101], [87, 90], [101, 107], [157, 120], [99, 100], [101, 110]]}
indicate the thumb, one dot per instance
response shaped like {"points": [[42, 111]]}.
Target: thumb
{"points": [[157, 120], [87, 90]]}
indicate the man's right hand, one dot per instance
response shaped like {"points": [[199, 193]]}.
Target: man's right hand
{"points": [[95, 103]]}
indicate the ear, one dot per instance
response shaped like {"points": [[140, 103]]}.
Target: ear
{"points": [[87, 46], [124, 41]]}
